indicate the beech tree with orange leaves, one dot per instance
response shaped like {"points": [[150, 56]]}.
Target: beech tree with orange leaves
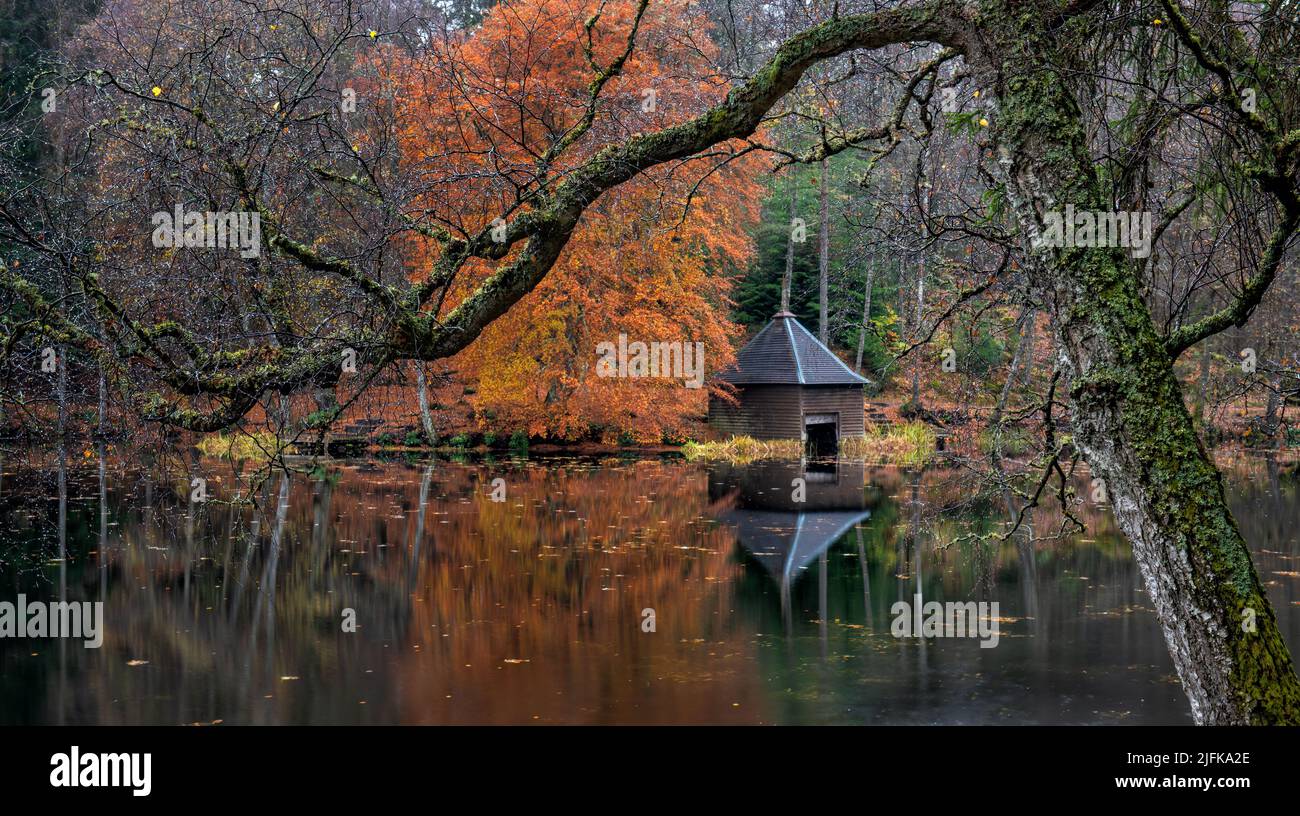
{"points": [[649, 261], [413, 181]]}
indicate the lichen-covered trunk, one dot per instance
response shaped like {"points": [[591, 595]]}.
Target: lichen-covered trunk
{"points": [[1133, 428], [1130, 421]]}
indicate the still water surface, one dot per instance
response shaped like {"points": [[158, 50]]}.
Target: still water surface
{"points": [[469, 610]]}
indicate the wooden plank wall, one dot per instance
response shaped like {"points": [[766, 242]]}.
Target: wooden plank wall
{"points": [[764, 412], [776, 411], [843, 400]]}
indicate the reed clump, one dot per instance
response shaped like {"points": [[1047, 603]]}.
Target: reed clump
{"points": [[743, 449], [239, 446], [909, 444]]}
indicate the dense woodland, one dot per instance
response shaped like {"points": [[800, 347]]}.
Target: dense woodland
{"points": [[699, 254], [459, 201]]}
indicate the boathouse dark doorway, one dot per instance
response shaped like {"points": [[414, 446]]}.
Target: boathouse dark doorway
{"points": [[821, 435]]}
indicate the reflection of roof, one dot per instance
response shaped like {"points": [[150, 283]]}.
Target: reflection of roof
{"points": [[785, 353], [785, 543]]}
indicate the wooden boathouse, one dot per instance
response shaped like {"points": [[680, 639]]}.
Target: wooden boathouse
{"points": [[790, 386]]}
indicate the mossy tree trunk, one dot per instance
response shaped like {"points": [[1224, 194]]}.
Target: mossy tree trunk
{"points": [[1127, 406]]}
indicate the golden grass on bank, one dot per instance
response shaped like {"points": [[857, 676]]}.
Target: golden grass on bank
{"points": [[910, 444], [260, 445], [743, 449]]}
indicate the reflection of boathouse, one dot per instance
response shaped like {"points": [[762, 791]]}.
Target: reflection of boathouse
{"points": [[790, 386], [783, 534]]}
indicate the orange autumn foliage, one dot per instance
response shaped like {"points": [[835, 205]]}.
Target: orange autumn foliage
{"points": [[643, 262]]}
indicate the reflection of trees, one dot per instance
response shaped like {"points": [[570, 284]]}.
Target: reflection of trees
{"points": [[557, 575], [224, 601], [1067, 607]]}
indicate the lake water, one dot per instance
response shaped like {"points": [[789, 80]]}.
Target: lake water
{"points": [[766, 609]]}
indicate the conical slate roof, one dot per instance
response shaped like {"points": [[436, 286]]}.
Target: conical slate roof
{"points": [[785, 353]]}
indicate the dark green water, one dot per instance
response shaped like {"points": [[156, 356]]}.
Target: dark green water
{"points": [[530, 609]]}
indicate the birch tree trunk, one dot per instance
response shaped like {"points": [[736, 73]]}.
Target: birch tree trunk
{"points": [[789, 248], [1129, 418], [917, 326], [995, 421], [103, 400], [426, 418], [823, 251], [1204, 384], [866, 318], [1273, 406], [1029, 343], [62, 391]]}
